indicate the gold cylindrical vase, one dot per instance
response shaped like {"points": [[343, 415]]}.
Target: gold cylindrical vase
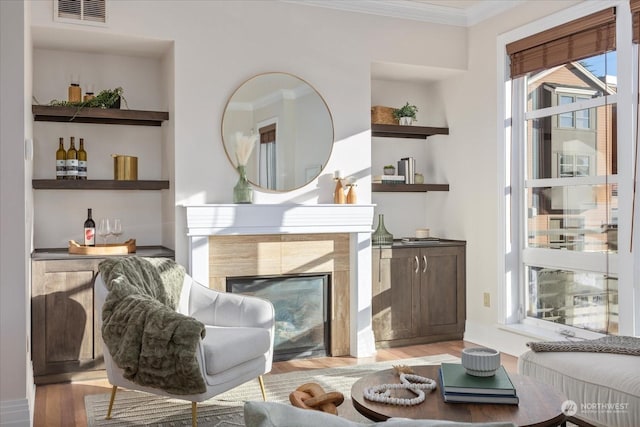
{"points": [[125, 168]]}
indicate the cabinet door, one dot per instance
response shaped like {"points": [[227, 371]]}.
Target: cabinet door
{"points": [[442, 291], [395, 276], [63, 327]]}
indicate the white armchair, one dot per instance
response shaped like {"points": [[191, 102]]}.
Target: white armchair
{"points": [[238, 345]]}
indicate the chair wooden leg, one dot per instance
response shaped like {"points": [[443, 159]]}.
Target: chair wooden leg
{"points": [[194, 414], [113, 397], [264, 393]]}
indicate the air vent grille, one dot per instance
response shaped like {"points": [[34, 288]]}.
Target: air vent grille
{"points": [[81, 10]]}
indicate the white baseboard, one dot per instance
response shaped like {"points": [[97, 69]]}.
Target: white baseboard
{"points": [[19, 413], [15, 413]]}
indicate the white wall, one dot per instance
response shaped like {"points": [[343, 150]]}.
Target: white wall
{"points": [[470, 159], [218, 45], [16, 376]]}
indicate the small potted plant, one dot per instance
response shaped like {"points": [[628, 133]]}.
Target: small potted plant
{"points": [[389, 170], [406, 114]]}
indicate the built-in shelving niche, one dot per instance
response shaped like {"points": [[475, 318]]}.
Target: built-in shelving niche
{"points": [[115, 116]]}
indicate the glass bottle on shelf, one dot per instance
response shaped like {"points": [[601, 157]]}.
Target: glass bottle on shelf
{"points": [[75, 92], [72, 161], [82, 161], [381, 237], [89, 94], [61, 161]]}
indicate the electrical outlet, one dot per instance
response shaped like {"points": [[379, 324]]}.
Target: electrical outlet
{"points": [[487, 299]]}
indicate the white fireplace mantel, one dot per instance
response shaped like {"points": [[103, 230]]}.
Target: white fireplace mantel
{"points": [[208, 220], [229, 219]]}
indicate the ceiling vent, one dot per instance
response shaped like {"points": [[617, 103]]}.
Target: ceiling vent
{"points": [[81, 11]]}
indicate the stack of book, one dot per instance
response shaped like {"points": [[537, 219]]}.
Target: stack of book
{"points": [[458, 386], [388, 179]]}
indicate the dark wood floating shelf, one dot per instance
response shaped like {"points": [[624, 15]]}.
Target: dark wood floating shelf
{"points": [[98, 184], [397, 131], [115, 116], [408, 188]]}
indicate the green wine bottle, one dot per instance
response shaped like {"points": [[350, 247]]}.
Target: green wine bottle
{"points": [[82, 161], [61, 161], [72, 161]]}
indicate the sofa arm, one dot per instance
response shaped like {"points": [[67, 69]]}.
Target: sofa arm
{"points": [[215, 308]]}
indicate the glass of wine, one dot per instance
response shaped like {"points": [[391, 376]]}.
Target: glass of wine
{"points": [[116, 228], [104, 230]]}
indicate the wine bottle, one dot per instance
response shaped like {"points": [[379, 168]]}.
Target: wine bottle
{"points": [[82, 161], [61, 161], [72, 161], [89, 230]]}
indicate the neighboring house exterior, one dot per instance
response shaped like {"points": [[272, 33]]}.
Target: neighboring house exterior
{"points": [[572, 215]]}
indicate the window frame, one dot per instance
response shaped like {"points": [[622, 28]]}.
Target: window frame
{"points": [[511, 219]]}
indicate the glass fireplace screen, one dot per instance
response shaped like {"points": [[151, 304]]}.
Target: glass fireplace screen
{"points": [[301, 306]]}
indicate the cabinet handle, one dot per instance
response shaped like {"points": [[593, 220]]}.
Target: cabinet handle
{"points": [[417, 264], [424, 258]]}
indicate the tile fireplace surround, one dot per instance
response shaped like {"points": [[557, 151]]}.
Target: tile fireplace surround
{"points": [[205, 222]]}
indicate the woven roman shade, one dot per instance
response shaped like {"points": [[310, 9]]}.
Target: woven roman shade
{"points": [[635, 11], [268, 134], [584, 37]]}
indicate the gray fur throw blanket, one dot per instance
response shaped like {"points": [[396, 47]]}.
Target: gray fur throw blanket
{"points": [[608, 344], [146, 337]]}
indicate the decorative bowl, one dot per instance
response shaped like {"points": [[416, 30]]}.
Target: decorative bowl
{"points": [[480, 361]]}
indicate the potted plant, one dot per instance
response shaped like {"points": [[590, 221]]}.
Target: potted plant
{"points": [[108, 98], [389, 170], [406, 114]]}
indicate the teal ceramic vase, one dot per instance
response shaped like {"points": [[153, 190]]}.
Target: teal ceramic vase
{"points": [[242, 192]]}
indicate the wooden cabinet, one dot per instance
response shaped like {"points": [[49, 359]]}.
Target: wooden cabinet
{"points": [[418, 294], [64, 336], [65, 341]]}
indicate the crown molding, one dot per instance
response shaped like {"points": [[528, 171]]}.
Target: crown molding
{"points": [[486, 9], [418, 11]]}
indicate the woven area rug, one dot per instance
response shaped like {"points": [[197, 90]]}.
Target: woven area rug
{"points": [[133, 408]]}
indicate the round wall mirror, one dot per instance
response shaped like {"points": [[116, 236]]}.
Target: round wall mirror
{"points": [[287, 126]]}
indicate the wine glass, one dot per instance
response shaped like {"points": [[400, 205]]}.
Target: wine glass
{"points": [[104, 230], [116, 228]]}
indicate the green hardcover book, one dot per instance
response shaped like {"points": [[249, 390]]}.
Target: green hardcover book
{"points": [[456, 380]]}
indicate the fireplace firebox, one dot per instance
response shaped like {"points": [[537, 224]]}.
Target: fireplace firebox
{"points": [[301, 306]]}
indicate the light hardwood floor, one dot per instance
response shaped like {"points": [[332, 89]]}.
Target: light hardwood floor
{"points": [[62, 405]]}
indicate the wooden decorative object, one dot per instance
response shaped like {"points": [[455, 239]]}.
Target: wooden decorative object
{"points": [[312, 396], [106, 249], [383, 115]]}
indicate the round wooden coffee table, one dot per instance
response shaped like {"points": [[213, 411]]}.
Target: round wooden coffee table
{"points": [[539, 403]]}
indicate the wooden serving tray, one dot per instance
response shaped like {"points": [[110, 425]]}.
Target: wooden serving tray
{"points": [[106, 249]]}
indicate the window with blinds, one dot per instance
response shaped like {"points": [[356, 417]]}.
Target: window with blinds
{"points": [[566, 78]]}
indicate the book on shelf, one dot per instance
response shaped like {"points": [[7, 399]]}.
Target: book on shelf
{"points": [[454, 379], [388, 179]]}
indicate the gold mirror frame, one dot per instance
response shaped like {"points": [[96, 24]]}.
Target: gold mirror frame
{"points": [[303, 131]]}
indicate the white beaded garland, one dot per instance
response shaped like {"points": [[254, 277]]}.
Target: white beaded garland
{"points": [[414, 383]]}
